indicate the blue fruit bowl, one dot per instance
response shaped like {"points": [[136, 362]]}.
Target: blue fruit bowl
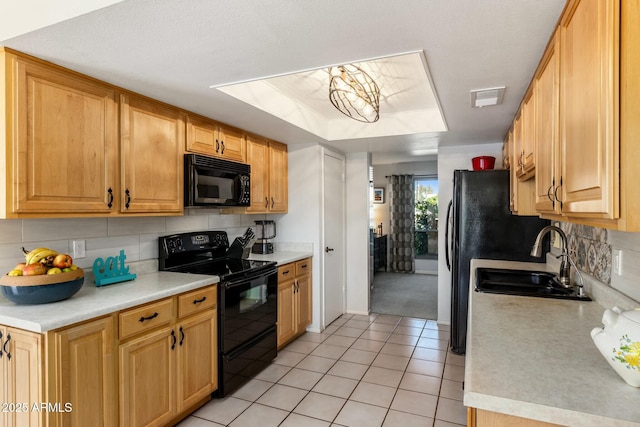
{"points": [[41, 289]]}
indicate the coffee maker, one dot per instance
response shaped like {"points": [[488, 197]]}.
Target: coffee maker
{"points": [[265, 230]]}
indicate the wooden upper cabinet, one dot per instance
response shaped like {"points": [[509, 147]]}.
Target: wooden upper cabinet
{"points": [[547, 129], [207, 137], [62, 158], [278, 178], [527, 136], [589, 105], [152, 141], [269, 179]]}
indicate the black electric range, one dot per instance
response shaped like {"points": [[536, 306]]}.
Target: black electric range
{"points": [[247, 301]]}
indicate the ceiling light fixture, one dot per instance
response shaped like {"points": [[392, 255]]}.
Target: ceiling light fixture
{"points": [[354, 93]]}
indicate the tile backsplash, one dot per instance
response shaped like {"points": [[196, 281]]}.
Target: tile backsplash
{"points": [[592, 250], [104, 237]]}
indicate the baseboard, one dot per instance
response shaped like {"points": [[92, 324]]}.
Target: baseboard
{"points": [[429, 272]]}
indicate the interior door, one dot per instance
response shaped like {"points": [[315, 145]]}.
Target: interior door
{"points": [[333, 237]]}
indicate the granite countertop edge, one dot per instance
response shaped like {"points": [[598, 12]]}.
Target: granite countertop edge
{"points": [[534, 358]]}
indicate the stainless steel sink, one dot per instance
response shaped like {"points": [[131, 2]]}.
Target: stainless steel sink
{"points": [[525, 283]]}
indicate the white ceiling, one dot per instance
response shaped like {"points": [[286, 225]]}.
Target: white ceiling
{"points": [[175, 50]]}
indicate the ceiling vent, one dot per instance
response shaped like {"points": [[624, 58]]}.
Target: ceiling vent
{"points": [[486, 97]]}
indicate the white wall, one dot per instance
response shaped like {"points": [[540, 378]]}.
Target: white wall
{"points": [[357, 232], [450, 159]]}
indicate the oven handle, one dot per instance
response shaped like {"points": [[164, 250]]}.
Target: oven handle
{"points": [[249, 277]]}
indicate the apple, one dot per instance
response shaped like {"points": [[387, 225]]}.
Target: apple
{"points": [[62, 261], [20, 266], [34, 269]]}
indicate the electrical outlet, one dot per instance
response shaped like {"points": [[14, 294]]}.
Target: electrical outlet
{"points": [[78, 249], [617, 261]]}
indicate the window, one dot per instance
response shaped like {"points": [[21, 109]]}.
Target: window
{"points": [[426, 216]]}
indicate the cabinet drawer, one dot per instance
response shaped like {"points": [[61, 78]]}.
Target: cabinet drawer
{"points": [[145, 318], [198, 300], [286, 272], [303, 267]]}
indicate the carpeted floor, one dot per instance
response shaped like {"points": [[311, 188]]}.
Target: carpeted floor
{"points": [[414, 295]]}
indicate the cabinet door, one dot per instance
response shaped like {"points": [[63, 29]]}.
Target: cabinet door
{"points": [[84, 368], [147, 379], [286, 312], [152, 147], [303, 301], [197, 357], [232, 144], [22, 378], [65, 142], [515, 165], [589, 94], [258, 159], [547, 141], [202, 136], [527, 136], [278, 178]]}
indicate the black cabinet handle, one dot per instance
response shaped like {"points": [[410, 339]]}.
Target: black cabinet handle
{"points": [[126, 192], [173, 335], [555, 193], [198, 301], [217, 145], [304, 266], [549, 193], [110, 191], [328, 249], [222, 143], [273, 202], [4, 347], [284, 273], [266, 202], [1, 353], [181, 336], [142, 319]]}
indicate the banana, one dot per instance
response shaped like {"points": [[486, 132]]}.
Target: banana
{"points": [[29, 254], [43, 256], [39, 254]]}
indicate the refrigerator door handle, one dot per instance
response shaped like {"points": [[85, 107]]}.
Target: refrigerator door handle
{"points": [[446, 236]]}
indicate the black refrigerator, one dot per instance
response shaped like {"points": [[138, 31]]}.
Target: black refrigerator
{"points": [[480, 225]]}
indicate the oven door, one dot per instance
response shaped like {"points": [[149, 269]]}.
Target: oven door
{"points": [[248, 307]]}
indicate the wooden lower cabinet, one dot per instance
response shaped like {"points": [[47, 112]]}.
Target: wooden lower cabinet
{"points": [[147, 379], [197, 359], [21, 380], [168, 370], [99, 373], [482, 418], [82, 374], [294, 300]]}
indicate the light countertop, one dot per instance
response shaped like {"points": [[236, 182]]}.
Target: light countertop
{"points": [[534, 358], [92, 301], [282, 257]]}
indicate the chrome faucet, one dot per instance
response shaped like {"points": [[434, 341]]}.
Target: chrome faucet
{"points": [[565, 266]]}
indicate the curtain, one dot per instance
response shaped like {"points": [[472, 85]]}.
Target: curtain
{"points": [[402, 212]]}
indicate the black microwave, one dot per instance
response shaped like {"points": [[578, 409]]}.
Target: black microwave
{"points": [[212, 182]]}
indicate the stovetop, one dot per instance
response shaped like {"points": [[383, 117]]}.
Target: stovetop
{"points": [[205, 252], [227, 269]]}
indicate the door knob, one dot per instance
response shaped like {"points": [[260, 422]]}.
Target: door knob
{"points": [[328, 249]]}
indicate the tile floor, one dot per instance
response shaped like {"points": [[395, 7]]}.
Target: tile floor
{"points": [[376, 370]]}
